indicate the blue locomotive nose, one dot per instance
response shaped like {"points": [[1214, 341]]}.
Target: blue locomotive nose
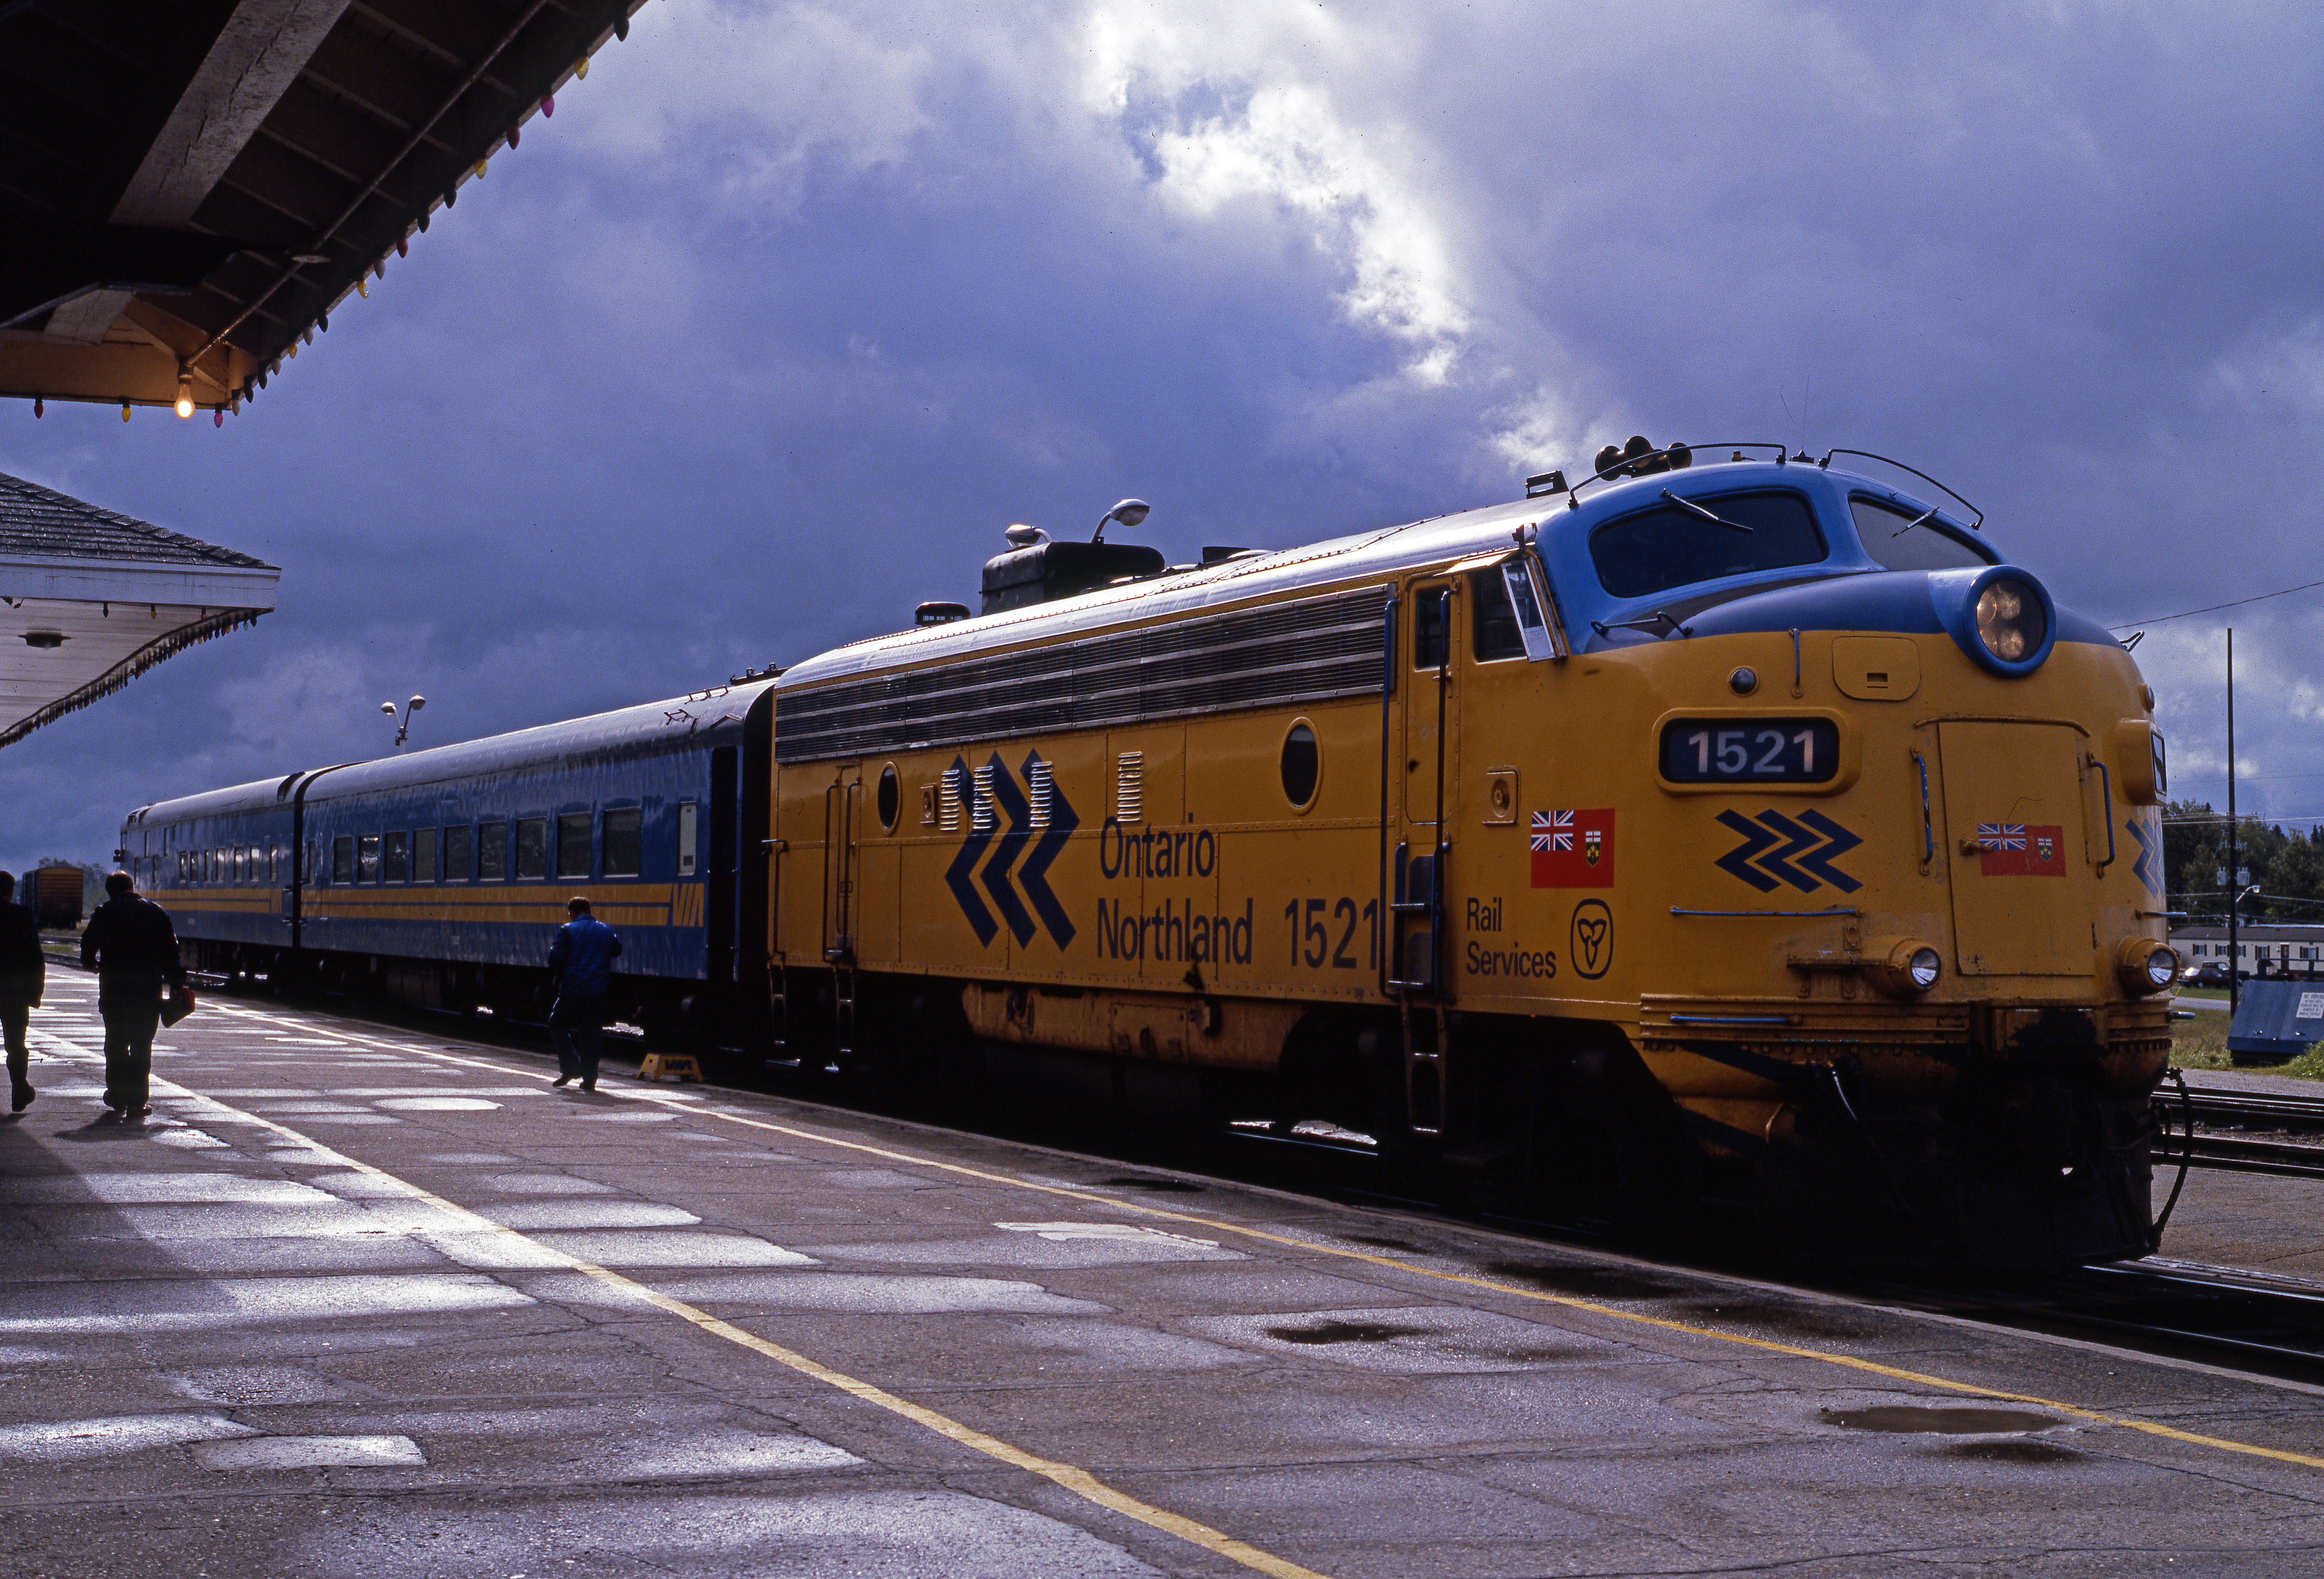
{"points": [[2002, 616]]}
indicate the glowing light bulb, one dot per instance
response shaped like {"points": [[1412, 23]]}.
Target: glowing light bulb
{"points": [[185, 404]]}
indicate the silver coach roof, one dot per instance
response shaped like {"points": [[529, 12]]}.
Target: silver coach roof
{"points": [[648, 727], [1232, 581]]}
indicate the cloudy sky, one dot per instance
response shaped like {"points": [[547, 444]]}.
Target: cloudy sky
{"points": [[791, 308]]}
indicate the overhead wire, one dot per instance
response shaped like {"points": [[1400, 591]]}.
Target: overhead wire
{"points": [[2216, 607]]}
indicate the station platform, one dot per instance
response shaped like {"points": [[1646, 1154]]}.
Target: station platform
{"points": [[360, 1301]]}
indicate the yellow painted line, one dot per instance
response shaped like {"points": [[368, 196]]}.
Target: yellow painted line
{"points": [[1074, 1479], [1567, 1301]]}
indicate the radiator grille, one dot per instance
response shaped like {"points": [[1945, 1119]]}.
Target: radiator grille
{"points": [[1310, 650]]}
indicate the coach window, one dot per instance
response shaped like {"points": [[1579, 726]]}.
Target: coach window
{"points": [[491, 851], [1302, 766], [456, 850], [623, 845], [343, 858], [573, 845], [686, 838], [367, 858], [398, 858], [423, 855], [241, 864], [531, 848]]}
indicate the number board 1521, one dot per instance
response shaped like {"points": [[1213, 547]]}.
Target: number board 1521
{"points": [[1750, 750]]}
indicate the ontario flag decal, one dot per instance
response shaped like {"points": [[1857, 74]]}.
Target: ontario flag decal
{"points": [[1573, 849], [2016, 849]]}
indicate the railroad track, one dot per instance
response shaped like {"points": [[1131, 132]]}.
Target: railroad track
{"points": [[2208, 1109]]}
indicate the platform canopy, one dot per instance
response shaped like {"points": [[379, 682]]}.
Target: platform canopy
{"points": [[188, 188], [90, 599]]}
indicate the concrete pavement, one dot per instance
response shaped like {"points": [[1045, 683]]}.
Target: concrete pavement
{"points": [[367, 1302]]}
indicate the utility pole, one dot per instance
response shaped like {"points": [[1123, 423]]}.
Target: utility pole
{"points": [[2235, 874]]}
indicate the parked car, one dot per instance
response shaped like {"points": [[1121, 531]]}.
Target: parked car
{"points": [[2209, 973]]}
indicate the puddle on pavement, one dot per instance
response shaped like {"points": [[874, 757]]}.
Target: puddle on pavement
{"points": [[246, 1385], [1589, 1282], [673, 1247], [733, 1453], [263, 1453], [856, 1291], [2012, 1452], [1344, 1332], [1805, 1321], [590, 1214], [65, 1441], [1948, 1422], [437, 1104], [542, 1184]]}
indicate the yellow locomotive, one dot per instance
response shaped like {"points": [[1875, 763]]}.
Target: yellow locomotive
{"points": [[1746, 834]]}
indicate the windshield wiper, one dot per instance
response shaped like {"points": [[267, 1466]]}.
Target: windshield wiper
{"points": [[1929, 515], [1692, 508]]}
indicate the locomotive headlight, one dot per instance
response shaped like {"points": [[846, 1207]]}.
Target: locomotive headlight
{"points": [[1903, 967], [2146, 966], [2010, 620]]}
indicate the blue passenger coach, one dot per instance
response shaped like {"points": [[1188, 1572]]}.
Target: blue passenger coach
{"points": [[440, 878]]}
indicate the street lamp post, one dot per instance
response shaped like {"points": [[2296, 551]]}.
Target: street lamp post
{"points": [[404, 724]]}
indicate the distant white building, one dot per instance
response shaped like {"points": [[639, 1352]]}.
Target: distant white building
{"points": [[2261, 947]]}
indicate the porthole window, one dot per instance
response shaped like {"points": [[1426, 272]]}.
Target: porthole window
{"points": [[892, 798], [1302, 765]]}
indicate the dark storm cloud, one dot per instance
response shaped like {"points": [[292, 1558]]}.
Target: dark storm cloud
{"points": [[790, 308]]}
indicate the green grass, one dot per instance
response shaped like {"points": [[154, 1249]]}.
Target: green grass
{"points": [[2218, 993], [2202, 1044]]}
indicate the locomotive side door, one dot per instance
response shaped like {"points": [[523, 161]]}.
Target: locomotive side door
{"points": [[1420, 763], [843, 805]]}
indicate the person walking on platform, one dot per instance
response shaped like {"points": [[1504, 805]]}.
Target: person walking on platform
{"points": [[581, 966], [133, 949], [22, 970]]}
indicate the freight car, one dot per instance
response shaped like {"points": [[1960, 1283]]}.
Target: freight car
{"points": [[56, 895], [439, 878], [1747, 838]]}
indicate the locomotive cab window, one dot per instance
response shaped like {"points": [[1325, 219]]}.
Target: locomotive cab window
{"points": [[1673, 545], [491, 851], [1432, 626], [531, 848], [1892, 539], [623, 844], [1303, 765], [1493, 632], [456, 850]]}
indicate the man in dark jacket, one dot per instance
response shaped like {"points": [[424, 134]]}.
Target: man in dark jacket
{"points": [[133, 949], [581, 964], [22, 971]]}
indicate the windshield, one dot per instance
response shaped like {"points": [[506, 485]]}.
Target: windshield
{"points": [[1926, 547], [1672, 545]]}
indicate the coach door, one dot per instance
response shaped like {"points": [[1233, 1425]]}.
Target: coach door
{"points": [[1421, 726]]}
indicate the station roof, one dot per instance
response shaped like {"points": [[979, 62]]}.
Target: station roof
{"points": [[89, 599], [190, 186]]}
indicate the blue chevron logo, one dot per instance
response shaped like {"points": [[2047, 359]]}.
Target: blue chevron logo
{"points": [[1810, 843], [2148, 867], [1006, 846], [1033, 877], [959, 874]]}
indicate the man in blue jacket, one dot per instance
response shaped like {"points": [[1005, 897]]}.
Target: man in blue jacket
{"points": [[581, 965]]}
